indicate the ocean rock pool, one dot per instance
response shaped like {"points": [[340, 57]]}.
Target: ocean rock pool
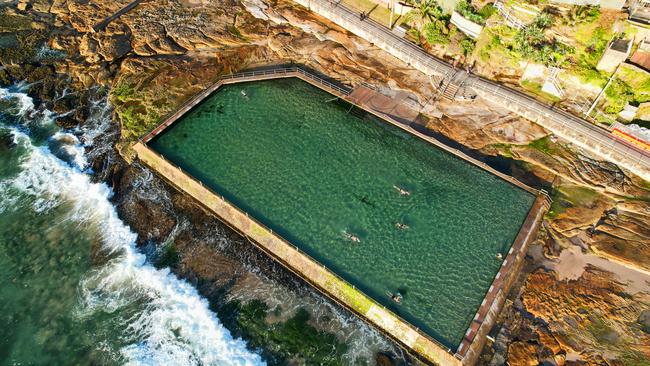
{"points": [[320, 177]]}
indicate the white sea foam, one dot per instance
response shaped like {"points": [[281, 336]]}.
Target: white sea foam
{"points": [[68, 148], [24, 102], [173, 325]]}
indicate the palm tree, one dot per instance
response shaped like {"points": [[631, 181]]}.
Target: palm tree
{"points": [[424, 11]]}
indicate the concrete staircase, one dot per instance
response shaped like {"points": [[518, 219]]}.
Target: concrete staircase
{"points": [[451, 86]]}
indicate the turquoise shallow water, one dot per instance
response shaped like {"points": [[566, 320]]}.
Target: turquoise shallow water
{"points": [[312, 172]]}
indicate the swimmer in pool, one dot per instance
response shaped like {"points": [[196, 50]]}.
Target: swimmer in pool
{"points": [[402, 191]]}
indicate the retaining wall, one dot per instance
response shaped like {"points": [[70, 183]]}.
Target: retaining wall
{"points": [[465, 25], [584, 134], [488, 313], [298, 262], [320, 277]]}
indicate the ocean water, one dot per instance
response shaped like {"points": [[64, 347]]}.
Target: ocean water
{"points": [[318, 175], [74, 289]]}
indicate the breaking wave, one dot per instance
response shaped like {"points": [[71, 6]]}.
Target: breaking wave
{"points": [[172, 324]]}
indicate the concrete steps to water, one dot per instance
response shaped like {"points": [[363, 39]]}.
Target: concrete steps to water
{"points": [[452, 85]]}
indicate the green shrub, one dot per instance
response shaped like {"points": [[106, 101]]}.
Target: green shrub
{"points": [[467, 45], [469, 12], [596, 45], [436, 32], [532, 43], [487, 11], [582, 14], [638, 80], [123, 92], [425, 11], [134, 122], [618, 94], [543, 21]]}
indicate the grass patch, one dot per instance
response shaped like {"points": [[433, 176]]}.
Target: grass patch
{"points": [[381, 13], [123, 92], [504, 149], [569, 196], [638, 80], [492, 46], [536, 88], [134, 117], [135, 123], [602, 332], [544, 145], [591, 46], [618, 94]]}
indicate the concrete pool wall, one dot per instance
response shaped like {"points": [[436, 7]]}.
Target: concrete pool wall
{"points": [[322, 278]]}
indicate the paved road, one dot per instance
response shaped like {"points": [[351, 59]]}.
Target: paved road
{"points": [[580, 132]]}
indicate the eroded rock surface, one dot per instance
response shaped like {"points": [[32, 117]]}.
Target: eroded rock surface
{"points": [[159, 54]]}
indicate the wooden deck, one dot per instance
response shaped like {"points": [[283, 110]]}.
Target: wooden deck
{"points": [[396, 112]]}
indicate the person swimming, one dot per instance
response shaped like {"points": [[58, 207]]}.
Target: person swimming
{"points": [[499, 256], [244, 94], [351, 237], [401, 226], [397, 297], [402, 191]]}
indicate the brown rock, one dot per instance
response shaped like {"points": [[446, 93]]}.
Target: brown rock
{"points": [[522, 354], [549, 341], [383, 359], [23, 5]]}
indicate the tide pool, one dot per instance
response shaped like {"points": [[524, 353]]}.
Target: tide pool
{"points": [[383, 209]]}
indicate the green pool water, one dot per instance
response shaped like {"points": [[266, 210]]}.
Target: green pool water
{"points": [[313, 172]]}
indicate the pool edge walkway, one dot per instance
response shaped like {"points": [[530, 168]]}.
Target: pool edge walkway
{"points": [[298, 262], [323, 279]]}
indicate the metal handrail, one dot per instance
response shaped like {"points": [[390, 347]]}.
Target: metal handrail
{"points": [[289, 71], [223, 199], [560, 117], [414, 53], [275, 71]]}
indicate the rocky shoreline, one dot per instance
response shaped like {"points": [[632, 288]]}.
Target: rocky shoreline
{"points": [[146, 68]]}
